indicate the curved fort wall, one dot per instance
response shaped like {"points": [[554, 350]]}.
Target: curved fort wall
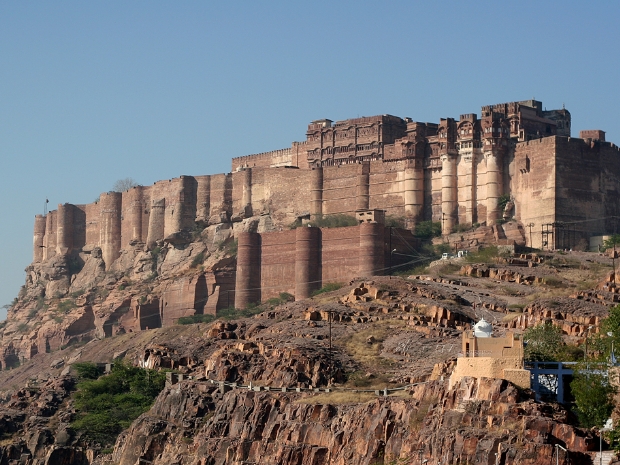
{"points": [[454, 172]]}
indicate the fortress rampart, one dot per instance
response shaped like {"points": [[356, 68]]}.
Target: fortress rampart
{"points": [[514, 161], [300, 261]]}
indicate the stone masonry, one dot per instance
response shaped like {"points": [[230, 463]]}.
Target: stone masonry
{"points": [[454, 172]]}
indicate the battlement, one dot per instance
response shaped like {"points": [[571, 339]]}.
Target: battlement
{"points": [[369, 120], [468, 117], [594, 134], [281, 157]]}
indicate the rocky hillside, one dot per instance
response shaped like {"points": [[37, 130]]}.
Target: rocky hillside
{"points": [[266, 388]]}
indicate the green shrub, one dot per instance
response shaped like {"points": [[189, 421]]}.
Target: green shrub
{"points": [[41, 305], [418, 270], [22, 327], [502, 201], [66, 306], [295, 224], [232, 313], [486, 255], [441, 249], [198, 259], [229, 247], [109, 404], [333, 221], [197, 230], [192, 319], [593, 396], [155, 253], [543, 342], [328, 287], [87, 370], [461, 228], [427, 229], [77, 293], [395, 221], [283, 298]]}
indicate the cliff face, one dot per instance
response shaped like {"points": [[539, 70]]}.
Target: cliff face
{"points": [[468, 424], [73, 298], [383, 333]]}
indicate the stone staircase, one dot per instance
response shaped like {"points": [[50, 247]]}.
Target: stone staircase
{"points": [[607, 456]]}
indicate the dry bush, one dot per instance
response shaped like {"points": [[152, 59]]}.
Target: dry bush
{"points": [[417, 418], [359, 380], [511, 316], [366, 353], [338, 397]]}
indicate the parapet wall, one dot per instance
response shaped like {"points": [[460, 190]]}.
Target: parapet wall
{"points": [[151, 214]]}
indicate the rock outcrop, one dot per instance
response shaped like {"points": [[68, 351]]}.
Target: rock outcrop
{"points": [[469, 424]]}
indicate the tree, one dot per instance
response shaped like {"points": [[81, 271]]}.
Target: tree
{"points": [[428, 229], [593, 395], [591, 388], [543, 342], [123, 185], [613, 240]]}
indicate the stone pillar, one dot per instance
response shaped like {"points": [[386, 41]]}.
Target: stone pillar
{"points": [[173, 219], [248, 280], [372, 249], [414, 194], [246, 196], [156, 222], [307, 261], [316, 192], [39, 235], [363, 188], [110, 205], [493, 187], [466, 170], [64, 230], [49, 242], [448, 193], [134, 213], [203, 198]]}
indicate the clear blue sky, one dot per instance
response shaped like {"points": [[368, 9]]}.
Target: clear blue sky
{"points": [[92, 92]]}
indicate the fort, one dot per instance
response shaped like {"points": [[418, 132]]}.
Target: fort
{"points": [[514, 161]]}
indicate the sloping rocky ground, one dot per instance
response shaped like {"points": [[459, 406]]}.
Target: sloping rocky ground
{"points": [[386, 333]]}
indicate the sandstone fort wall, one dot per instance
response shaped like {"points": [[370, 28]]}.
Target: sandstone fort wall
{"points": [[302, 260], [453, 172], [550, 179]]}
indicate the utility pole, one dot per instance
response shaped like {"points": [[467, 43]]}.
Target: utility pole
{"points": [[613, 260], [531, 225], [443, 221]]}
